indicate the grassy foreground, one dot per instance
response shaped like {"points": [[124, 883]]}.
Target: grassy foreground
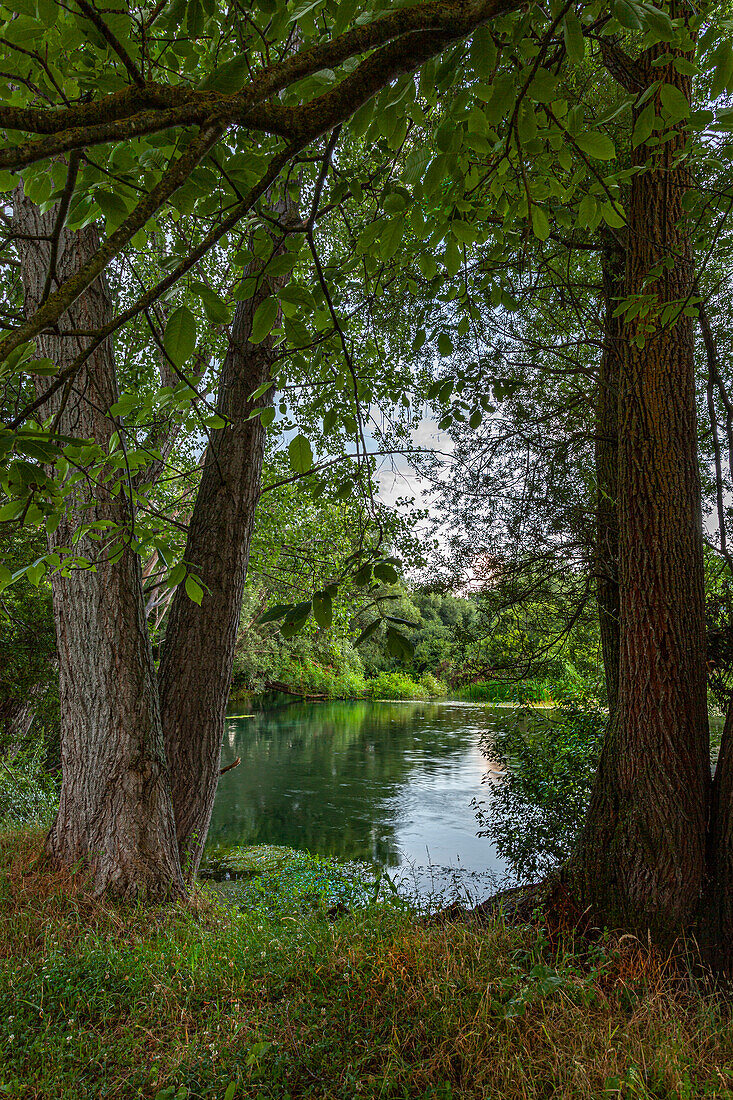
{"points": [[100, 1001]]}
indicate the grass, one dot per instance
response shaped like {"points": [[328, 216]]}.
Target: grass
{"points": [[204, 1001]]}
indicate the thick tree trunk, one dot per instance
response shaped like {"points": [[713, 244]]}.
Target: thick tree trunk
{"points": [[198, 651], [606, 448], [641, 855], [115, 816]]}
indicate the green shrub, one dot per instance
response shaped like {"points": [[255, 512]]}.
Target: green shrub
{"points": [[395, 685], [550, 760], [435, 688]]}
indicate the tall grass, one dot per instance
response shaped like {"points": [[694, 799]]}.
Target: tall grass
{"points": [[205, 1002]]}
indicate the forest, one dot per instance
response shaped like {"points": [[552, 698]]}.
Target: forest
{"points": [[366, 407]]}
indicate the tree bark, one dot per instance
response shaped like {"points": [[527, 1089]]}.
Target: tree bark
{"points": [[641, 856], [115, 816], [606, 455], [198, 651]]}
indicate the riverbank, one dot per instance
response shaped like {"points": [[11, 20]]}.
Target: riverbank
{"points": [[205, 1002], [312, 682]]}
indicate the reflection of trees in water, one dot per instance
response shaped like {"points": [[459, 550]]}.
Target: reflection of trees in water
{"points": [[326, 776]]}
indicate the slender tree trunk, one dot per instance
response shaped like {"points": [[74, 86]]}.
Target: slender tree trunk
{"points": [[16, 720], [716, 931], [717, 919], [641, 856], [607, 590], [198, 651], [115, 816]]}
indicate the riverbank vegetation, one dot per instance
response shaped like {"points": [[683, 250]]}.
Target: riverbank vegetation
{"points": [[201, 1002]]}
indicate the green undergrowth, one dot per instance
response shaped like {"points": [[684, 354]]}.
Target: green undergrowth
{"points": [[494, 691], [310, 678], [205, 1001], [283, 880]]}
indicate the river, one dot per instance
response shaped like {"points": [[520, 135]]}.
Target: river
{"points": [[389, 783]]}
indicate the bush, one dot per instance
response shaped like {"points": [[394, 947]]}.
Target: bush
{"points": [[536, 809], [435, 688], [395, 685]]}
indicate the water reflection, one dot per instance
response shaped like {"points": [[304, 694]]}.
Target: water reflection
{"points": [[391, 783]]}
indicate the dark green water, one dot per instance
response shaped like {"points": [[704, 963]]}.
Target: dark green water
{"points": [[389, 783]]}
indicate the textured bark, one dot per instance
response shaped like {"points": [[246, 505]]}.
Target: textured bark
{"points": [[641, 856], [607, 590], [115, 816], [198, 651]]}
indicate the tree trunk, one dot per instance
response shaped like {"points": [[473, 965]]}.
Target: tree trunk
{"points": [[115, 816], [641, 856], [606, 448], [16, 720], [198, 651]]}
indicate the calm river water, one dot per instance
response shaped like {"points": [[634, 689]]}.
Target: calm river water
{"points": [[389, 783]]}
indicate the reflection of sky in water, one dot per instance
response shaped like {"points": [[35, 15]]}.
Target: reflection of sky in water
{"points": [[391, 783]]}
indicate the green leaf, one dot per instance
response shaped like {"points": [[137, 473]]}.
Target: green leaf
{"points": [[215, 308], [179, 339], [300, 454], [674, 102], [543, 88], [368, 631], [597, 145], [445, 344], [323, 609], [296, 620], [279, 611], [722, 59], [627, 15], [658, 22], [540, 224], [416, 164], [363, 576], [391, 236], [386, 572], [229, 77], [263, 320], [194, 591], [398, 645], [573, 35], [644, 125], [113, 206]]}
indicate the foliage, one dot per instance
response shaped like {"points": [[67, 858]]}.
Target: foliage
{"points": [[507, 691], [286, 881], [535, 812], [27, 644], [28, 794], [209, 1002], [396, 685]]}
